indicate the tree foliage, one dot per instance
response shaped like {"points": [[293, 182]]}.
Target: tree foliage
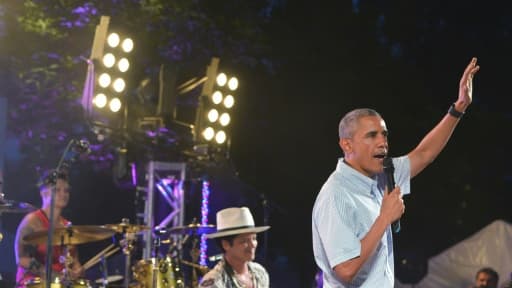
{"points": [[50, 42]]}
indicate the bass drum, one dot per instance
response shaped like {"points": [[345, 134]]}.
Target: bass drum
{"points": [[57, 283], [157, 273]]}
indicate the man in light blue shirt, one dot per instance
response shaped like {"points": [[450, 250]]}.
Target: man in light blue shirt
{"points": [[352, 238]]}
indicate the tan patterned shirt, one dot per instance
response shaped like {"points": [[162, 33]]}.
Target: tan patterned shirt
{"points": [[223, 276]]}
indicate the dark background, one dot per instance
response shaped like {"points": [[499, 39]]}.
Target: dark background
{"points": [[402, 58]]}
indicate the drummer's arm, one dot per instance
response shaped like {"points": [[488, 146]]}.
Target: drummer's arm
{"points": [[24, 252]]}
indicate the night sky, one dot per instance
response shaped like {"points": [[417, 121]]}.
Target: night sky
{"points": [[402, 58]]}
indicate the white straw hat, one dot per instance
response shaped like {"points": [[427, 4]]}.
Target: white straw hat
{"points": [[236, 220]]}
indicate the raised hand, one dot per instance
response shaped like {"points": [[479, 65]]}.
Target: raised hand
{"points": [[466, 82]]}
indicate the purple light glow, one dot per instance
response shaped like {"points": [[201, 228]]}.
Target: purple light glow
{"points": [[203, 247], [134, 174], [88, 92]]}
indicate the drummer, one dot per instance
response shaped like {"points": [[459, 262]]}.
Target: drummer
{"points": [[30, 259]]}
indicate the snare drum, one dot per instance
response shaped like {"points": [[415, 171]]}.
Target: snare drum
{"points": [[57, 283], [157, 273]]}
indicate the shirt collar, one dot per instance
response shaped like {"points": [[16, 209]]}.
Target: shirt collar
{"points": [[356, 178]]}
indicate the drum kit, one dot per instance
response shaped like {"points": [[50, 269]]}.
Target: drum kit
{"points": [[163, 270]]}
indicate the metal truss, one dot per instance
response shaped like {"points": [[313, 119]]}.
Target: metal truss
{"points": [[165, 178]]}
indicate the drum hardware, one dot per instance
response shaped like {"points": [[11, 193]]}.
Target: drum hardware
{"points": [[190, 232], [64, 281], [126, 227], [110, 279], [129, 232], [194, 255], [101, 257], [163, 269], [103, 254], [192, 229], [56, 282], [67, 237], [158, 273], [201, 268], [10, 206]]}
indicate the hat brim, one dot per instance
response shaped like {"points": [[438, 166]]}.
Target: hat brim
{"points": [[237, 231]]}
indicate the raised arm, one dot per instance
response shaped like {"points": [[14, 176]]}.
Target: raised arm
{"points": [[434, 142]]}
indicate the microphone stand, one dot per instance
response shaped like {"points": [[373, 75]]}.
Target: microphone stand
{"points": [[266, 216], [51, 226]]}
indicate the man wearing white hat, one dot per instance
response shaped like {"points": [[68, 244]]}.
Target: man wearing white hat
{"points": [[236, 236]]}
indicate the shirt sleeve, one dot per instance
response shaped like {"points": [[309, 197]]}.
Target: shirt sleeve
{"points": [[208, 283], [213, 279], [337, 237], [403, 174]]}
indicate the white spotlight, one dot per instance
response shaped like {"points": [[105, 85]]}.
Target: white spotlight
{"points": [[127, 45], [100, 100], [119, 85], [115, 105], [123, 65], [224, 119], [216, 97], [113, 40], [233, 83], [104, 80], [229, 101], [108, 60], [221, 79], [213, 115], [208, 133], [220, 137]]}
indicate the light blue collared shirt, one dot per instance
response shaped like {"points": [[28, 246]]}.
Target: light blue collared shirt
{"points": [[344, 211]]}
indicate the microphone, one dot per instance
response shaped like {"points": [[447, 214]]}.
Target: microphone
{"points": [[81, 146], [215, 257], [389, 169]]}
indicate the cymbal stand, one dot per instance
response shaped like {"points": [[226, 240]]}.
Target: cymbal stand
{"points": [[194, 255], [173, 256], [127, 244], [66, 260], [155, 261], [1, 235], [104, 270]]}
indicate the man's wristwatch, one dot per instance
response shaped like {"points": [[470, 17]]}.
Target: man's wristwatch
{"points": [[452, 111]]}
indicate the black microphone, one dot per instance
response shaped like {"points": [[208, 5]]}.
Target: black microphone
{"points": [[389, 169], [81, 146]]}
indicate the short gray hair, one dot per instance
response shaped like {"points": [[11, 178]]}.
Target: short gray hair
{"points": [[348, 123]]}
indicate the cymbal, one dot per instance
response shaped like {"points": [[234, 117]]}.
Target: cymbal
{"points": [[71, 235], [126, 227], [10, 206], [192, 229]]}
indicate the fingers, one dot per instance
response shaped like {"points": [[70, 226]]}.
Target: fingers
{"points": [[466, 81], [399, 200], [470, 70]]}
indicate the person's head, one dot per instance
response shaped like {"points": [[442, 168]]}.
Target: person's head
{"points": [[236, 233], [486, 278], [363, 139], [62, 188]]}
